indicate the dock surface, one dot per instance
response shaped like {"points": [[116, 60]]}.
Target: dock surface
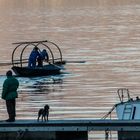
{"points": [[67, 129], [71, 125]]}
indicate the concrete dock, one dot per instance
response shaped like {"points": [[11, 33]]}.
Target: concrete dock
{"points": [[65, 129]]}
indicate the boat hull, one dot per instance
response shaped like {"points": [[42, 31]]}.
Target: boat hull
{"points": [[129, 110], [38, 71]]}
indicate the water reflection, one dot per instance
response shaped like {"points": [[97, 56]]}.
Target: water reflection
{"points": [[41, 85], [47, 86]]}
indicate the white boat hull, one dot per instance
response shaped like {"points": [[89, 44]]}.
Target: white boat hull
{"points": [[129, 110]]}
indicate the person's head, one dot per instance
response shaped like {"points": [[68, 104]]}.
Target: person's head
{"points": [[9, 73], [44, 50], [35, 48]]}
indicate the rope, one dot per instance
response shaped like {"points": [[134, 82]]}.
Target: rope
{"points": [[20, 134], [108, 133], [109, 113]]}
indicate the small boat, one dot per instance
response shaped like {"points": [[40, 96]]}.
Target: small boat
{"points": [[20, 59], [128, 108]]}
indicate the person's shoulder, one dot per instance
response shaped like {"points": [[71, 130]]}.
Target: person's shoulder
{"points": [[15, 78], [6, 81]]}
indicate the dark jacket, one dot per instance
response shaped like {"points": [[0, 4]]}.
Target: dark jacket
{"points": [[10, 86]]}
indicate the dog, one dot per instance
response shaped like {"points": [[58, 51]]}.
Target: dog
{"points": [[44, 113]]}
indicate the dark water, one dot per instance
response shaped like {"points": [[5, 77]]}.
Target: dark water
{"points": [[103, 33]]}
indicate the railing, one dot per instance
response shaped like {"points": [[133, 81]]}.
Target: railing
{"points": [[122, 92]]}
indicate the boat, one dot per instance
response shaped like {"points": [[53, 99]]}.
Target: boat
{"points": [[21, 54], [128, 108]]}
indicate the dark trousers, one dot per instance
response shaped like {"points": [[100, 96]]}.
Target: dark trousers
{"points": [[10, 104], [40, 62]]}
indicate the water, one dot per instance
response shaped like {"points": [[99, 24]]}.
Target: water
{"points": [[103, 33]]}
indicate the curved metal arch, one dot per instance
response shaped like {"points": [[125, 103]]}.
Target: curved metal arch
{"points": [[14, 53], [34, 44], [57, 48]]}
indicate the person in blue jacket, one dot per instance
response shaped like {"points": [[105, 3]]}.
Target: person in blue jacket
{"points": [[43, 56], [33, 57]]}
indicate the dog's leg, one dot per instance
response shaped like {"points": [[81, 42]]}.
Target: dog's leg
{"points": [[40, 113], [42, 118], [45, 118], [38, 117], [48, 115]]}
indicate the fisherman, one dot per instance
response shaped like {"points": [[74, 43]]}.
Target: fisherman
{"points": [[43, 56], [33, 57], [9, 94]]}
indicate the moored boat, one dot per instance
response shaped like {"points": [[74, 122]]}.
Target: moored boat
{"points": [[128, 108]]}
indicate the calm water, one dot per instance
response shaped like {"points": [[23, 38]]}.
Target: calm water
{"points": [[103, 33]]}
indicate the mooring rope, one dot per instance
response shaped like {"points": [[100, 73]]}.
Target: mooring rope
{"points": [[109, 113], [107, 133], [20, 134]]}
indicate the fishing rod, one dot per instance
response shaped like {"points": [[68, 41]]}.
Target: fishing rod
{"points": [[16, 62]]}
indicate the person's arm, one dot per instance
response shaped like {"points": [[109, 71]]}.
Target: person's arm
{"points": [[5, 89], [47, 57]]}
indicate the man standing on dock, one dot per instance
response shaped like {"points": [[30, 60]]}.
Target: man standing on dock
{"points": [[9, 94]]}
